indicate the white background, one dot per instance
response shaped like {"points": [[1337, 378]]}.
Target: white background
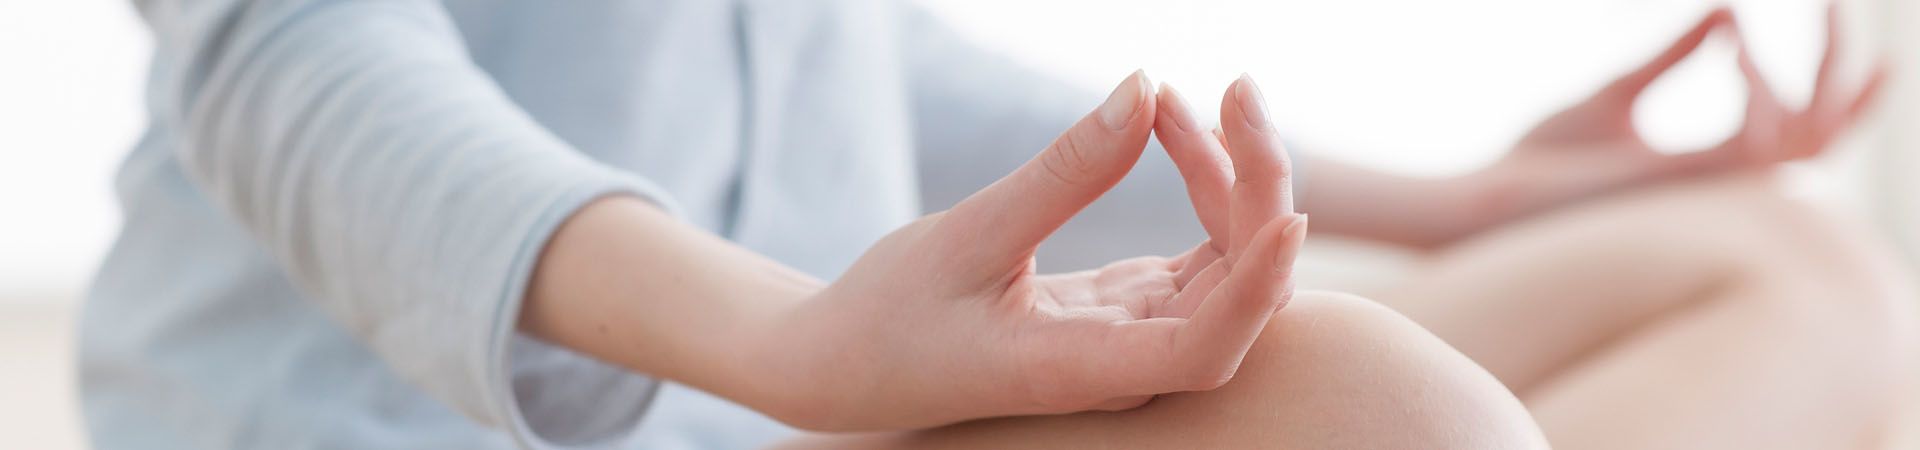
{"points": [[1417, 86]]}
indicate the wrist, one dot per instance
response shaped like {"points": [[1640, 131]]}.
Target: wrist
{"points": [[770, 362], [800, 366], [1474, 202], [629, 285]]}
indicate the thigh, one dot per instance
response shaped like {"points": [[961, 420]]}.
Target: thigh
{"points": [[1531, 299], [1331, 371], [1728, 375], [1712, 314]]}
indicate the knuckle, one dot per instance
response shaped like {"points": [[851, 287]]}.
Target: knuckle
{"points": [[1256, 179], [1285, 296], [1207, 377], [1068, 160], [1200, 371], [1264, 175], [1125, 403]]}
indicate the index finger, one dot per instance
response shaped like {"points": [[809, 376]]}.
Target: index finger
{"points": [[1637, 81], [1202, 162]]}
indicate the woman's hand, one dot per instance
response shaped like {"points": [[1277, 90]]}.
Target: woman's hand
{"points": [[946, 320], [1592, 147]]}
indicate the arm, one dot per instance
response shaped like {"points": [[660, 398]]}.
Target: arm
{"points": [[401, 191], [945, 319], [629, 284], [1589, 149], [969, 100], [1429, 212], [411, 201], [1346, 199], [1409, 211]]}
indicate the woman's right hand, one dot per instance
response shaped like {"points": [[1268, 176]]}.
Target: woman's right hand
{"points": [[945, 319]]}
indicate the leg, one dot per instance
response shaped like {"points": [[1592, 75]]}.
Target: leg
{"points": [[1714, 314], [1330, 371]]}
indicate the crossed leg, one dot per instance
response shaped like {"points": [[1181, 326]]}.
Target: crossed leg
{"points": [[1330, 371], [1710, 314]]}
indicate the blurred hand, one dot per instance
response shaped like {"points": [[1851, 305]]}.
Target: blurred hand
{"points": [[946, 320], [1592, 148]]}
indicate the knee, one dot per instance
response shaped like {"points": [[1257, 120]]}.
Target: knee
{"points": [[1833, 278], [1848, 274], [1770, 230], [1353, 340], [1378, 377], [1835, 266], [1346, 331]]}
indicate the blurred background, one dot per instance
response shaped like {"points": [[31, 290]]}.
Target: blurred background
{"points": [[1413, 86]]}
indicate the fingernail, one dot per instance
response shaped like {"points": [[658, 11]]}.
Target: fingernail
{"points": [[1121, 105], [1253, 104], [1292, 237], [1178, 110]]}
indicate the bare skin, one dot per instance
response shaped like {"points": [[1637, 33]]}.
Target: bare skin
{"points": [[1630, 298], [1739, 310], [1331, 371], [944, 320], [1706, 314], [1663, 302]]}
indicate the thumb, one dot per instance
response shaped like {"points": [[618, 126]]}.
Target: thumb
{"points": [[1003, 223]]}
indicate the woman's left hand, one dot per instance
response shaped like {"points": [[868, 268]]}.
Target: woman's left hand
{"points": [[1592, 147]]}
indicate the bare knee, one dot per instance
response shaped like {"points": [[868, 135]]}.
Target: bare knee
{"points": [[1827, 280], [1344, 372], [1330, 371], [1848, 276], [1835, 267]]}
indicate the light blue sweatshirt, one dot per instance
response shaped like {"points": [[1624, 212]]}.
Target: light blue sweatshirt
{"points": [[333, 216]]}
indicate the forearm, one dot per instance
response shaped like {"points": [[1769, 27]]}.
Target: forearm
{"points": [[1410, 211], [626, 283]]}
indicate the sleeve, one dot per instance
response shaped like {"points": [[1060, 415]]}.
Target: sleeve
{"points": [[401, 190]]}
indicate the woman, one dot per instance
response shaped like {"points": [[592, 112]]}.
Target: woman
{"points": [[411, 224]]}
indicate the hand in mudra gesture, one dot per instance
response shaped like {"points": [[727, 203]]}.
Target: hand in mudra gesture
{"points": [[1591, 148], [946, 319]]}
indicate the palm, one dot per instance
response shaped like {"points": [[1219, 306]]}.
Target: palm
{"points": [[1129, 290], [1601, 127], [1124, 320], [1100, 326]]}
